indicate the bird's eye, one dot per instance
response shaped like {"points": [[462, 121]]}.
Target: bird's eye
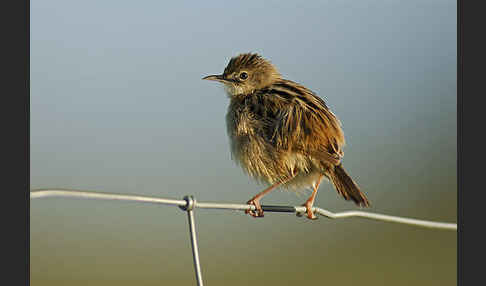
{"points": [[244, 75]]}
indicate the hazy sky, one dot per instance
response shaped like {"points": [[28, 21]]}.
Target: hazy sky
{"points": [[118, 105]]}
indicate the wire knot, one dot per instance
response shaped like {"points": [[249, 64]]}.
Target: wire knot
{"points": [[190, 203]]}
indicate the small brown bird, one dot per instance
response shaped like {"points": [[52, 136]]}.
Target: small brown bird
{"points": [[281, 133]]}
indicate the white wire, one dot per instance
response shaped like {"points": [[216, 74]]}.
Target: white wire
{"points": [[195, 249], [41, 193], [388, 218], [64, 193]]}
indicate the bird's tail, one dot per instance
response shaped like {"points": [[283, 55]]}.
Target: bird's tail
{"points": [[346, 187]]}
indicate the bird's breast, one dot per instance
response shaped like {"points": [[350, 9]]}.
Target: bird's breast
{"points": [[240, 128], [254, 153]]}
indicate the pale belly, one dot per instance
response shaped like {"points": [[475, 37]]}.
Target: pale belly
{"points": [[263, 162]]}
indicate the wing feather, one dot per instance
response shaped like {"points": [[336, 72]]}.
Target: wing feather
{"points": [[302, 122]]}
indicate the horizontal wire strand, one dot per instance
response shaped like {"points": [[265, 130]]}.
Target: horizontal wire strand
{"points": [[65, 193], [41, 193]]}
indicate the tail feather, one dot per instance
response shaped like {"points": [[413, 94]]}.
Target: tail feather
{"points": [[346, 187]]}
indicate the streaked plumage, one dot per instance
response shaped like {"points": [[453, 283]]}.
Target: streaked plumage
{"points": [[281, 133]]}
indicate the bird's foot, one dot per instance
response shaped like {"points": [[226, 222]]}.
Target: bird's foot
{"points": [[258, 212], [308, 206]]}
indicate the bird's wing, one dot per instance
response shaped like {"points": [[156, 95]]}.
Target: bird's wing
{"points": [[304, 123]]}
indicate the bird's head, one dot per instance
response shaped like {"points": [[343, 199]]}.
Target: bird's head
{"points": [[246, 73]]}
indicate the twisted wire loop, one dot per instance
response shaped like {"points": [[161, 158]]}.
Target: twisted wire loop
{"points": [[41, 193]]}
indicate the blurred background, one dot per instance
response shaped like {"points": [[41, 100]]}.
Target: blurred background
{"points": [[118, 105]]}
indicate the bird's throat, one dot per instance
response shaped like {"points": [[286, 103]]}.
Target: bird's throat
{"points": [[234, 90]]}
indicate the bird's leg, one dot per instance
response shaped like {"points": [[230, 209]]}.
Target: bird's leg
{"points": [[256, 199], [310, 201]]}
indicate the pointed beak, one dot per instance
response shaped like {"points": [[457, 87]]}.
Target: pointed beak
{"points": [[216, 77]]}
